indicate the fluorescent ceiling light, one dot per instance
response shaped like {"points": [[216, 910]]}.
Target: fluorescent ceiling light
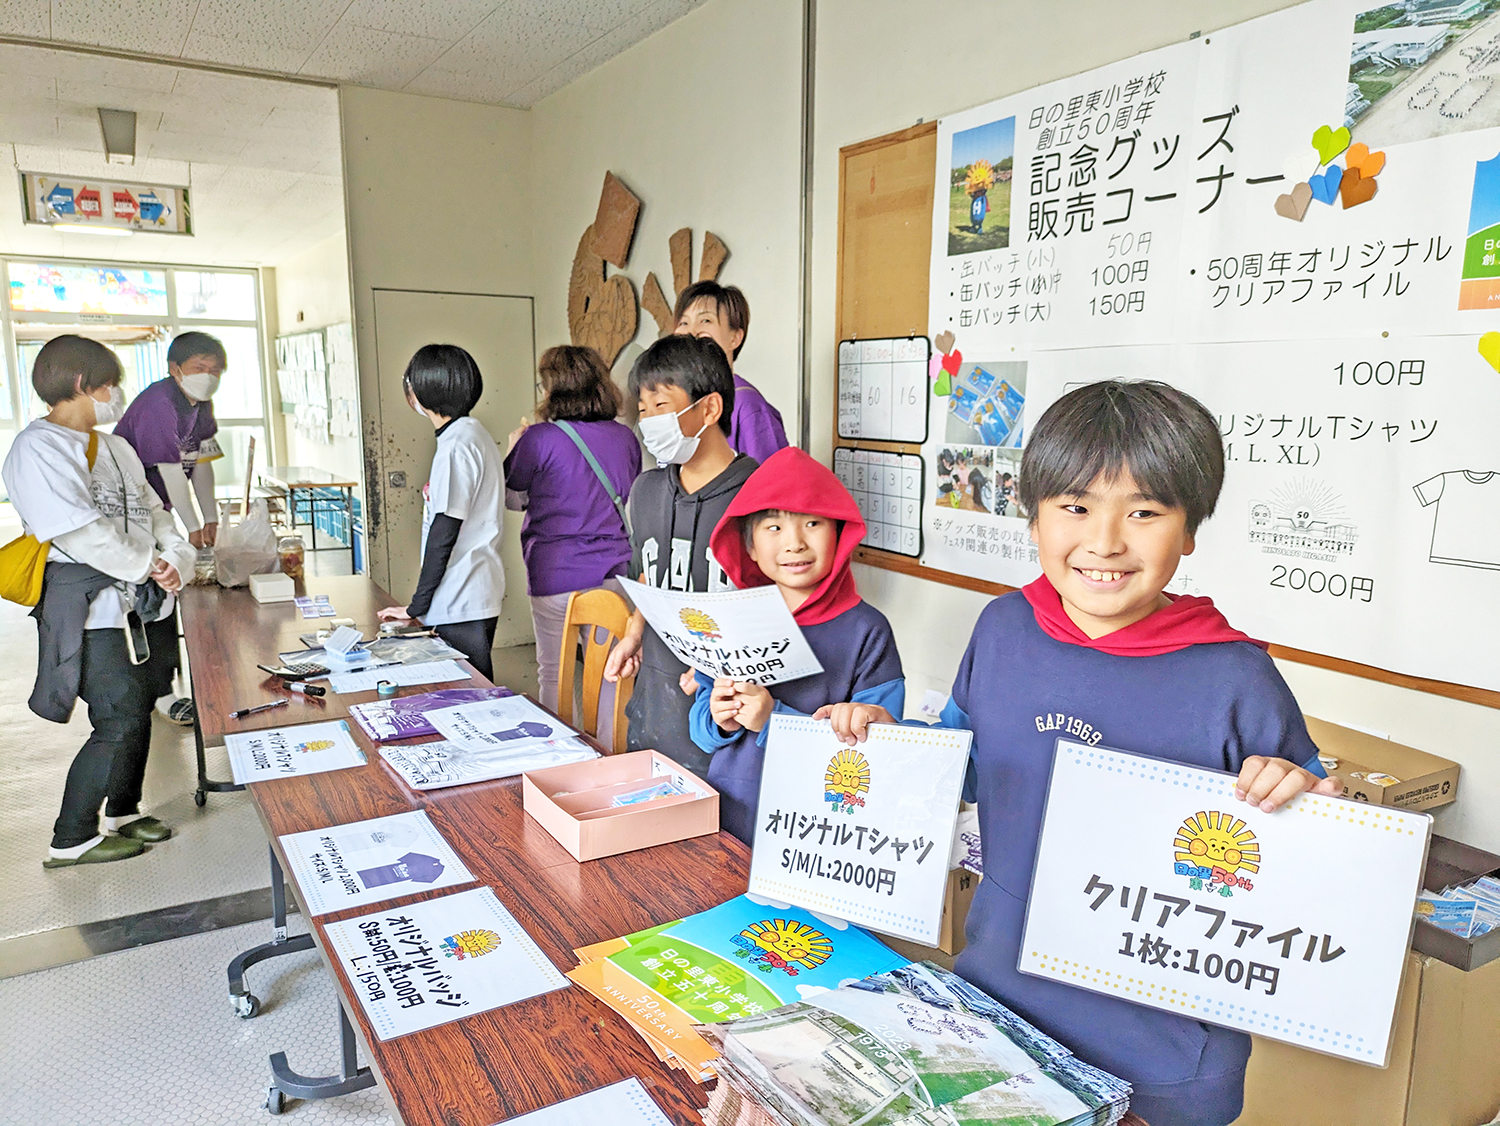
{"points": [[118, 128], [90, 229]]}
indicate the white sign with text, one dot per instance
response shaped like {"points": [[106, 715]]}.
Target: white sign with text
{"points": [[861, 833], [1155, 885]]}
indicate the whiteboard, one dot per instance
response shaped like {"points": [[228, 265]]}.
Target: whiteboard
{"points": [[883, 388], [887, 488]]}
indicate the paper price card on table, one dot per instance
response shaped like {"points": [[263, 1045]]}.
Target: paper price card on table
{"points": [[511, 723], [280, 752], [619, 1104], [742, 634], [1154, 885], [427, 672], [429, 963], [370, 861], [862, 833]]}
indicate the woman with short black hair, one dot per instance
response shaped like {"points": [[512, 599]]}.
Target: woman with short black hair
{"points": [[105, 626], [570, 472], [462, 583]]}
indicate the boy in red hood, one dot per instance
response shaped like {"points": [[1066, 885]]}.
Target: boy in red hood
{"points": [[1115, 480], [793, 524]]}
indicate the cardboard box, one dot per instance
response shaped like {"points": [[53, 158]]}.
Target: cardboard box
{"points": [[273, 587], [1381, 772], [574, 804], [962, 884], [1444, 1069], [1449, 863], [1445, 1047]]}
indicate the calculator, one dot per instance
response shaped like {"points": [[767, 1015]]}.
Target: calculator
{"points": [[297, 670]]}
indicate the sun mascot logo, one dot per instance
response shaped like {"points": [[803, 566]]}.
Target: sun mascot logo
{"points": [[470, 944], [1217, 848], [782, 944], [846, 780], [315, 745], [699, 624]]}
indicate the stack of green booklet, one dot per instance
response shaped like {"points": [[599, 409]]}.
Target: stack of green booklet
{"points": [[916, 1046]]}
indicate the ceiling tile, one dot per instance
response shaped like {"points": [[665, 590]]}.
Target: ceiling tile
{"points": [[31, 18], [511, 47], [450, 20], [187, 146], [74, 93], [274, 34], [600, 15], [245, 90], [435, 83], [642, 25], [28, 128], [370, 57], [155, 27]]}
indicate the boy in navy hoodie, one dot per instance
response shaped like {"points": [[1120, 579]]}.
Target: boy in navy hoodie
{"points": [[1115, 480], [792, 524]]}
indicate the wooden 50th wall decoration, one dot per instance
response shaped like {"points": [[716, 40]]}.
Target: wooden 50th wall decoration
{"points": [[603, 312]]}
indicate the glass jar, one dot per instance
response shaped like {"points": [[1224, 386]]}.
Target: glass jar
{"points": [[291, 552], [205, 570]]}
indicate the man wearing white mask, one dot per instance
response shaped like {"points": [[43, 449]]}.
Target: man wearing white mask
{"points": [[685, 392], [104, 619], [171, 427]]}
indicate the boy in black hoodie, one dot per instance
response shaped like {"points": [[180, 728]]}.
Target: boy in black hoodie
{"points": [[685, 391]]}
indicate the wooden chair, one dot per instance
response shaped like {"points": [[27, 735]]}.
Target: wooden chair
{"points": [[593, 610]]}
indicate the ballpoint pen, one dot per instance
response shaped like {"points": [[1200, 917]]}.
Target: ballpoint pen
{"points": [[241, 713]]}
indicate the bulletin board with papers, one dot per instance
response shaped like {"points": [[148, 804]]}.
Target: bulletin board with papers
{"points": [[1297, 220]]}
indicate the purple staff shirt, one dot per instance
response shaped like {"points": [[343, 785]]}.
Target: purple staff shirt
{"points": [[754, 425], [572, 538], [164, 427]]}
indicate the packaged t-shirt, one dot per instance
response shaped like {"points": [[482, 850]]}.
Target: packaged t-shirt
{"points": [[468, 484]]}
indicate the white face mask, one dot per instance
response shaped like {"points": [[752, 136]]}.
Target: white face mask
{"points": [[200, 385], [665, 440], [416, 406], [110, 410]]}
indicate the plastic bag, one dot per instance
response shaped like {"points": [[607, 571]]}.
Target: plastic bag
{"points": [[247, 548]]}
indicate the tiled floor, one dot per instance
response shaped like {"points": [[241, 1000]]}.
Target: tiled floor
{"points": [[147, 1035]]}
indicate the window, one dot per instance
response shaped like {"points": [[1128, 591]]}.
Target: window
{"points": [[136, 311]]}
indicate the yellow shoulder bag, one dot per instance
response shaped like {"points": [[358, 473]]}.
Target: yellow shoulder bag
{"points": [[23, 561]]}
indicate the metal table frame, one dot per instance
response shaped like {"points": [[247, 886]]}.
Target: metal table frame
{"points": [[286, 1083]]}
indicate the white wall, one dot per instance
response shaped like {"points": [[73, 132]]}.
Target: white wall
{"points": [[437, 198], [882, 65], [312, 291], [701, 121]]}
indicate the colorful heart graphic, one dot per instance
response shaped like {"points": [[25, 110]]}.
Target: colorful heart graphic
{"points": [[1489, 348], [1325, 187], [943, 387], [1367, 163], [952, 361], [944, 342], [1294, 205], [935, 365], [1329, 143], [1355, 189]]}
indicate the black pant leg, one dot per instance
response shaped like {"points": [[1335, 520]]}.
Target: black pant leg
{"points": [[474, 640], [128, 771], [119, 700]]}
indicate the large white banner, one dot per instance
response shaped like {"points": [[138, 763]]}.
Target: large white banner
{"points": [[1202, 906], [1297, 219]]}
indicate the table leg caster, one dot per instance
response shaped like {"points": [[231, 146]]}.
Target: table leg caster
{"points": [[200, 799], [275, 1100], [246, 1005]]}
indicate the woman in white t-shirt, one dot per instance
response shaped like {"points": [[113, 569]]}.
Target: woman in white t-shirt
{"points": [[115, 558], [462, 582]]}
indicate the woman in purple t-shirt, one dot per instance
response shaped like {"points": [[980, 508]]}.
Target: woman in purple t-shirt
{"points": [[574, 535]]}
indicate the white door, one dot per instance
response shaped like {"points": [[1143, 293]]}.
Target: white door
{"points": [[497, 332]]}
